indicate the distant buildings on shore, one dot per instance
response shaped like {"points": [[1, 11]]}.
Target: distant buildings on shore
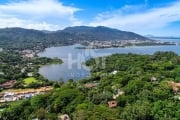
{"points": [[10, 96], [121, 43]]}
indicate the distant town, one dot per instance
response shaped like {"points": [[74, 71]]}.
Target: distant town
{"points": [[122, 43]]}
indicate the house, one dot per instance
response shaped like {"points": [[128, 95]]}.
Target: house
{"points": [[153, 79], [177, 97], [1, 73], [23, 70], [30, 55], [65, 117], [114, 72], [29, 74], [19, 96], [1, 95], [2, 101], [112, 104], [89, 85], [1, 49], [175, 86], [26, 94], [8, 84], [119, 93], [9, 96]]}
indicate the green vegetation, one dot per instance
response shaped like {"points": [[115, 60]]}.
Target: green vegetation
{"points": [[142, 78], [13, 66], [21, 39], [30, 80]]}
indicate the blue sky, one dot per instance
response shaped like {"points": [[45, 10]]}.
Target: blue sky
{"points": [[146, 17]]}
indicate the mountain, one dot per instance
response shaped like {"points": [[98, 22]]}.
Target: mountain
{"points": [[20, 38], [101, 33]]}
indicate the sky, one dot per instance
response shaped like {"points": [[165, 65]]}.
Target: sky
{"points": [[145, 17]]}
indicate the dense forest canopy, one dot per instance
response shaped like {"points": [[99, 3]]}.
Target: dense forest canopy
{"points": [[139, 87]]}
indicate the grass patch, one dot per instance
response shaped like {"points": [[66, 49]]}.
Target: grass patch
{"points": [[30, 80]]}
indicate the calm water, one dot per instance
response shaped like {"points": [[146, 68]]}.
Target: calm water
{"points": [[73, 58]]}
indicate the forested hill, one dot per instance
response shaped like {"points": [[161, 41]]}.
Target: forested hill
{"points": [[19, 38], [101, 33]]}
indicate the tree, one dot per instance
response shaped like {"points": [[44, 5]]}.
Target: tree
{"points": [[140, 110]]}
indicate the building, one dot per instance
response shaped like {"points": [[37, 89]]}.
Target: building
{"points": [[154, 80], [119, 93], [8, 84], [9, 96], [65, 117], [26, 94], [112, 103], [175, 86], [89, 85], [114, 72]]}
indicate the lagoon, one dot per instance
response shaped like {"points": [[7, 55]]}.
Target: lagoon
{"points": [[73, 59]]}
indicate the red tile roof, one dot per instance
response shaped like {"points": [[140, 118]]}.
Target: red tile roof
{"points": [[175, 86], [112, 103], [8, 84], [89, 85]]}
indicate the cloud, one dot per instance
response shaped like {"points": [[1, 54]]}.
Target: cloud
{"points": [[38, 14], [15, 22], [142, 21]]}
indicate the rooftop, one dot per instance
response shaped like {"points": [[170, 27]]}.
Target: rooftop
{"points": [[112, 103]]}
